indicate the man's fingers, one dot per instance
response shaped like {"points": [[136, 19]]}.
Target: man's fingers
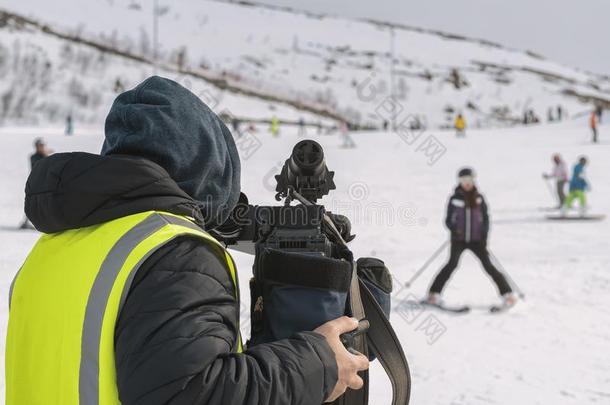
{"points": [[362, 363], [356, 383], [345, 324]]}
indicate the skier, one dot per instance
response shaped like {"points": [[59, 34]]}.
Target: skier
{"points": [[236, 124], [549, 115], [468, 220], [69, 130], [348, 142], [560, 175], [275, 126], [460, 126], [593, 125], [40, 152], [578, 186], [302, 130]]}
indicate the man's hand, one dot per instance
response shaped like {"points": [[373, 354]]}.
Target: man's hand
{"points": [[348, 364]]}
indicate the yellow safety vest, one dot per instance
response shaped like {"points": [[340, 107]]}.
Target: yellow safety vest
{"points": [[65, 301]]}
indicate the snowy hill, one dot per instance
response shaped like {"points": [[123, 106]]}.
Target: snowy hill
{"points": [[552, 348], [60, 57]]}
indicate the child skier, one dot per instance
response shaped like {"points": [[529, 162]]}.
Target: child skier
{"points": [[560, 175], [460, 126], [468, 220], [578, 186]]}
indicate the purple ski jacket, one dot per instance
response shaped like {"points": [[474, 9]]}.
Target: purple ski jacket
{"points": [[467, 224]]}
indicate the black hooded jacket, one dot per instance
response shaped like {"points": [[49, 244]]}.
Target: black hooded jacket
{"points": [[177, 333]]}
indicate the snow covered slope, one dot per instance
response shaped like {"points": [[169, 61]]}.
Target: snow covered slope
{"points": [[329, 65], [554, 348]]}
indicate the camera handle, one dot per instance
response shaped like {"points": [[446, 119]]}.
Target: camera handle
{"points": [[292, 194]]}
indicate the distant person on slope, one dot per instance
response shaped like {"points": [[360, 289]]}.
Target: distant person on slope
{"points": [[348, 142], [302, 130], [579, 185], [236, 124], [69, 130], [468, 220], [593, 125], [560, 175], [559, 113], [40, 152], [460, 126], [275, 126], [549, 116]]}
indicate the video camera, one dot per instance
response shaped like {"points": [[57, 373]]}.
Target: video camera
{"points": [[304, 274], [304, 228]]}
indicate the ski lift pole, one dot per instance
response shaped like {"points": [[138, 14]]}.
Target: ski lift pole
{"points": [[425, 266], [518, 290]]}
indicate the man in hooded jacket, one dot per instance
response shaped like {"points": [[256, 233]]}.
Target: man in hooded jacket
{"points": [[176, 331]]}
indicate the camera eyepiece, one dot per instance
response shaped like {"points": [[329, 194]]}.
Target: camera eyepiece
{"points": [[306, 172]]}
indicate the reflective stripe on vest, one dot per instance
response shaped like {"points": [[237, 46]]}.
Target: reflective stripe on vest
{"points": [[65, 301]]}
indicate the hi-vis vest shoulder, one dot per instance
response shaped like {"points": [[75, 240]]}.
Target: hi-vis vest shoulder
{"points": [[64, 304]]}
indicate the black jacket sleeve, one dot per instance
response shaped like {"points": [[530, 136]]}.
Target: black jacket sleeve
{"points": [[485, 214], [449, 218], [176, 338]]}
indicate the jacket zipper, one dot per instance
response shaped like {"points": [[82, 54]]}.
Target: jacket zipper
{"points": [[468, 223]]}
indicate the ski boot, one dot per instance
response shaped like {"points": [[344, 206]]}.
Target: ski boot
{"points": [[434, 299]]}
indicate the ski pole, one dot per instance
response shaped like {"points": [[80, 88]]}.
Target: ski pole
{"points": [[425, 266], [510, 279], [548, 187]]}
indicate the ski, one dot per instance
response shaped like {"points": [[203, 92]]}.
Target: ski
{"points": [[576, 218], [460, 309], [496, 309]]}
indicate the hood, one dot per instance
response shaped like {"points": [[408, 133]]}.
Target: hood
{"points": [[75, 190], [162, 121]]}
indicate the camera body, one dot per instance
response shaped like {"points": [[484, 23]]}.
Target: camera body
{"points": [[301, 228]]}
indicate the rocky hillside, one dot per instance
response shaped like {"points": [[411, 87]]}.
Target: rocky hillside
{"points": [[59, 58]]}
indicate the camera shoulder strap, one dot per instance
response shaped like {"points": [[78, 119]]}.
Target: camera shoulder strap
{"points": [[386, 346], [359, 397]]}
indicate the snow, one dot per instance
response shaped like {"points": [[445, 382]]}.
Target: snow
{"points": [[552, 348]]}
